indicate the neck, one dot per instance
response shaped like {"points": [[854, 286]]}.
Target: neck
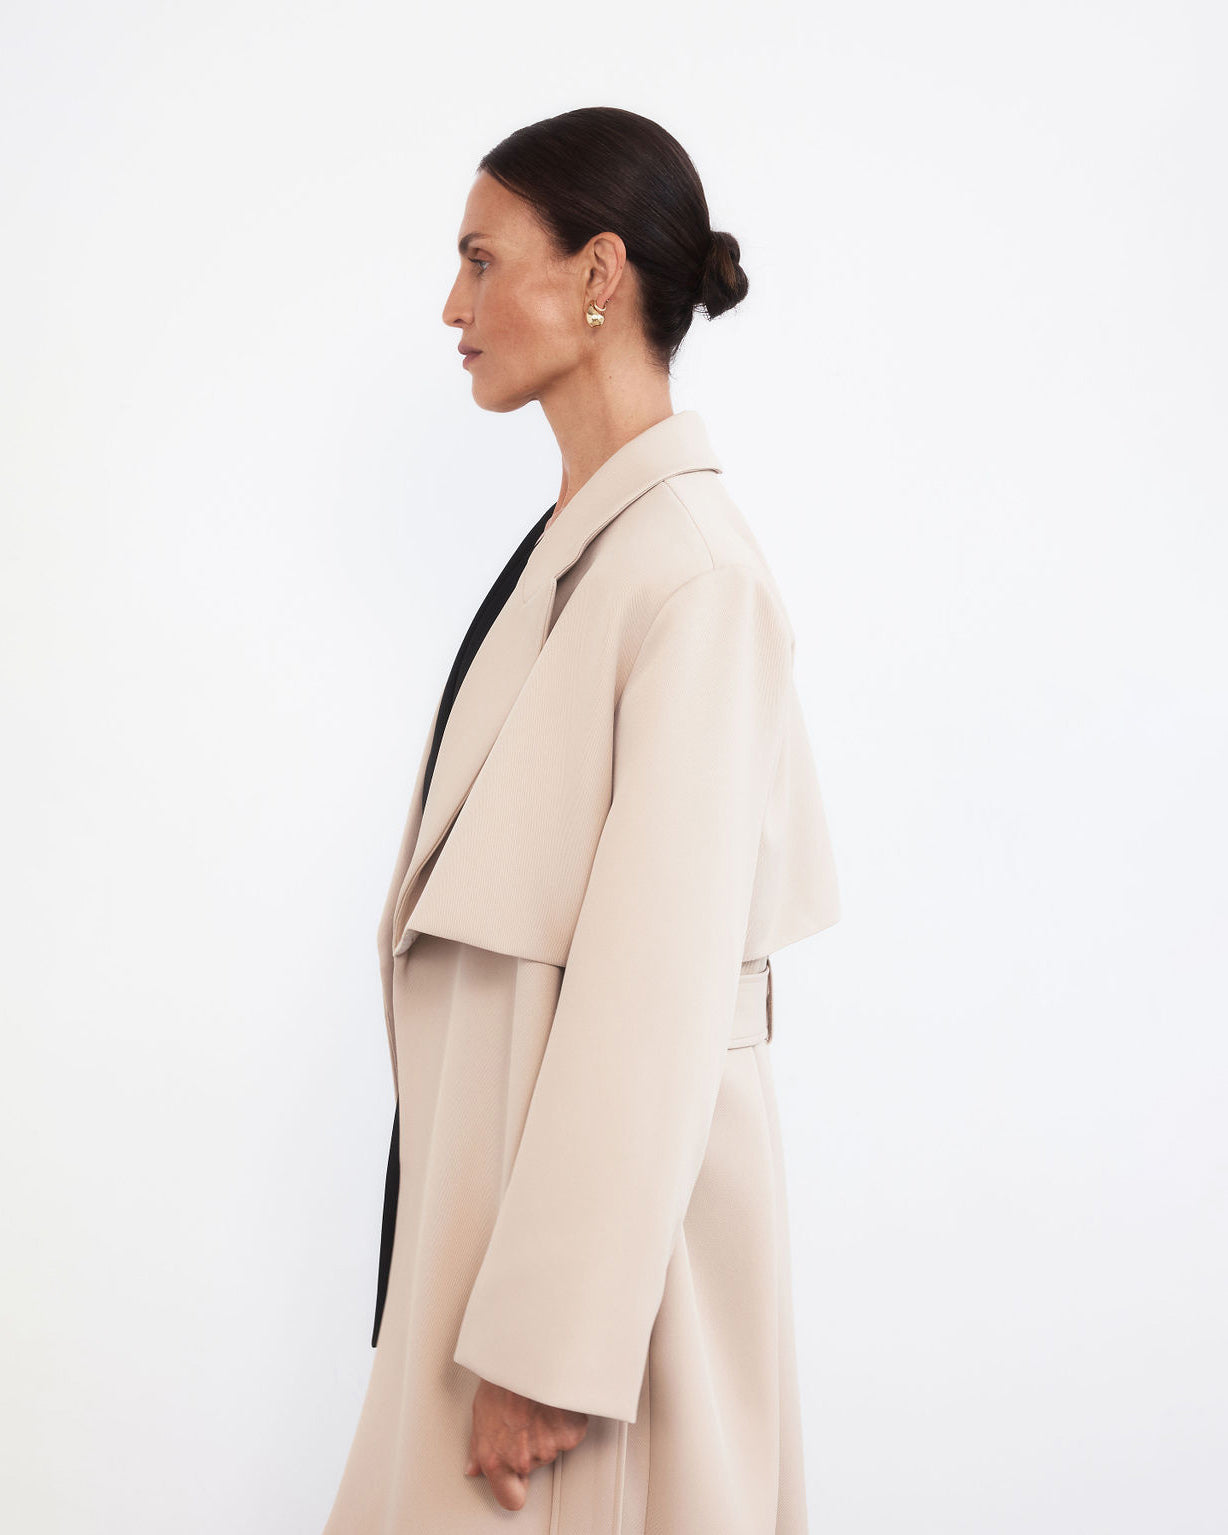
{"points": [[590, 424]]}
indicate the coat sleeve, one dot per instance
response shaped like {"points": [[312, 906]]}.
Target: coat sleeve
{"points": [[573, 1275]]}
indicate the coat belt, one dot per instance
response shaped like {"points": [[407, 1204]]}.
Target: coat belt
{"points": [[752, 1016]]}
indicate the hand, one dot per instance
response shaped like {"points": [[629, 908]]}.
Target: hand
{"points": [[513, 1435]]}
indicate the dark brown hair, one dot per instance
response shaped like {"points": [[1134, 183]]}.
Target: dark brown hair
{"points": [[605, 168]]}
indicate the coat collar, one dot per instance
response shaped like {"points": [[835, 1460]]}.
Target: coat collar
{"points": [[673, 446], [677, 445]]}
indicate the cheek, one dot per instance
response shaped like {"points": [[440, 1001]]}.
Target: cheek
{"points": [[537, 323]]}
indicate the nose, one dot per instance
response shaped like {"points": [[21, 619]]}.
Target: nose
{"points": [[454, 312]]}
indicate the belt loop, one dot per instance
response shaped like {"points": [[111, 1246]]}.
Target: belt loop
{"points": [[769, 998]]}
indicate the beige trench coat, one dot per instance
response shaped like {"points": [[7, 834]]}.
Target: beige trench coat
{"points": [[623, 825]]}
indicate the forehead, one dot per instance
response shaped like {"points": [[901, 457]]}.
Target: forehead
{"points": [[494, 213]]}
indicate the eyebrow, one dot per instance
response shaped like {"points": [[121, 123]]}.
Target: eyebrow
{"points": [[466, 241]]}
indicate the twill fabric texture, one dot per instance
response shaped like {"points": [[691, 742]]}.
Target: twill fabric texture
{"points": [[624, 824]]}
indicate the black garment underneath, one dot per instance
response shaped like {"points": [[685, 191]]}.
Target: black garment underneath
{"points": [[505, 584]]}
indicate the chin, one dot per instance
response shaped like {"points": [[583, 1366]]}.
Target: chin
{"points": [[499, 401]]}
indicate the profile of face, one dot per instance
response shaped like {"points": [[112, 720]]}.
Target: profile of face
{"points": [[521, 306]]}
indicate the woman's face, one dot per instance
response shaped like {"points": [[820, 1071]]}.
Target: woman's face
{"points": [[520, 305]]}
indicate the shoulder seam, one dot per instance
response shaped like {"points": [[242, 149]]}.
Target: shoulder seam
{"points": [[700, 575], [745, 565], [691, 519]]}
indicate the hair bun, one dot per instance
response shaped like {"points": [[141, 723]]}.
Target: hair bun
{"points": [[722, 282]]}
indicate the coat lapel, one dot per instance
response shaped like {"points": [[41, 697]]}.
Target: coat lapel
{"points": [[507, 655]]}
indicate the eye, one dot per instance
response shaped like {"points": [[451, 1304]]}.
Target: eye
{"points": [[477, 261]]}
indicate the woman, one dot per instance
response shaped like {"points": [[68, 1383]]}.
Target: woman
{"points": [[586, 1263]]}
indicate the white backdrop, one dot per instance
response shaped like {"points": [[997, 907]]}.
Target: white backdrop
{"points": [[249, 509]]}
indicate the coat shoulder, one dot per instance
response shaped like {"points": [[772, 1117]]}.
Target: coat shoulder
{"points": [[684, 527]]}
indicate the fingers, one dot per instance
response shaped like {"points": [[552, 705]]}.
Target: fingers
{"points": [[509, 1487], [511, 1436], [572, 1430]]}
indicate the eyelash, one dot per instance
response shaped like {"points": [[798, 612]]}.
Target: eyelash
{"points": [[477, 261]]}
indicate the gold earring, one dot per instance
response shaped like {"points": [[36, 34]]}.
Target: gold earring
{"points": [[595, 314]]}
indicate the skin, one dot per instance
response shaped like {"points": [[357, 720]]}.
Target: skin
{"points": [[522, 306], [512, 1435]]}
